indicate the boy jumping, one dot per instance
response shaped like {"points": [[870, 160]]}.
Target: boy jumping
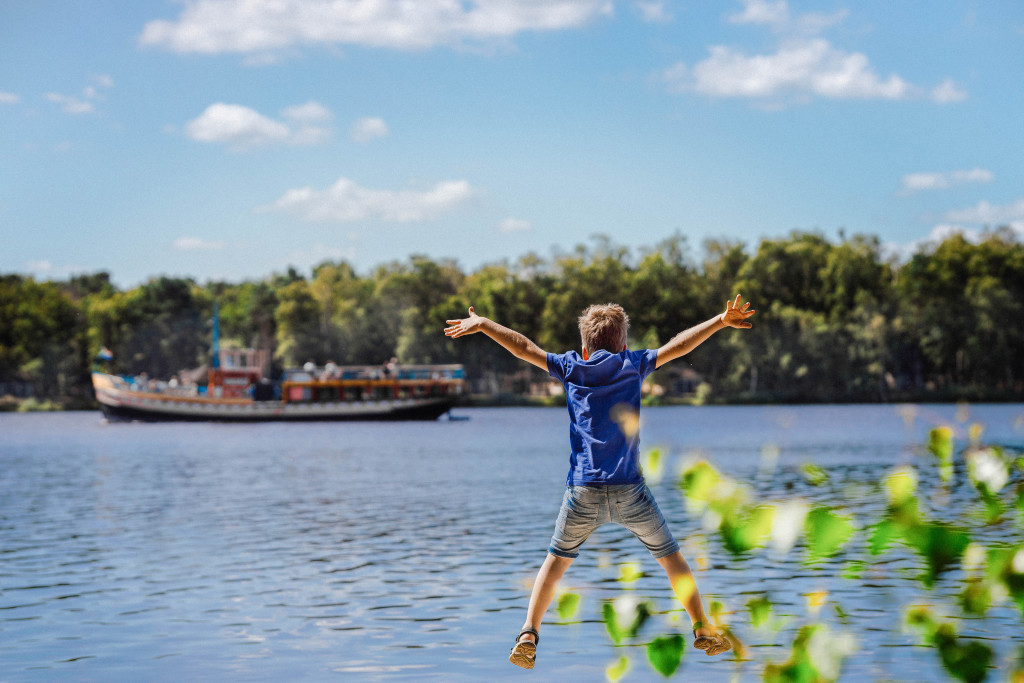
{"points": [[605, 484]]}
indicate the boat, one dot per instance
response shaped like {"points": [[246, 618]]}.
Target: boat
{"points": [[408, 392], [238, 391]]}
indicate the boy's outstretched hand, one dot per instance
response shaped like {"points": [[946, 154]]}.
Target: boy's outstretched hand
{"points": [[464, 326], [735, 315]]}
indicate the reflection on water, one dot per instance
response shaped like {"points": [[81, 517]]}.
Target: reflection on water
{"points": [[405, 551]]}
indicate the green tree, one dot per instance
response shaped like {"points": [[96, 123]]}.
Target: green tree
{"points": [[37, 335], [297, 318]]}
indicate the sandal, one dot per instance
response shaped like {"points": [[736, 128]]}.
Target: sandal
{"points": [[715, 644], [524, 652]]}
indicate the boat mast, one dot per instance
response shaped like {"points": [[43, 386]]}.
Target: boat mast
{"points": [[215, 360]]}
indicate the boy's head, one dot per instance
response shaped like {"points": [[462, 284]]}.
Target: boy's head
{"points": [[605, 327]]}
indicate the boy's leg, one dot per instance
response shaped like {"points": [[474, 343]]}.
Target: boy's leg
{"points": [[544, 592], [685, 588]]}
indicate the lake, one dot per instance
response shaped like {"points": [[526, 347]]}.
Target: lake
{"points": [[405, 551]]}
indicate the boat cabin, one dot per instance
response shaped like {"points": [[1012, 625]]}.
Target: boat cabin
{"points": [[333, 383]]}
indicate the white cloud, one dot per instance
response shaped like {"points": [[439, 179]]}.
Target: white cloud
{"points": [[238, 126], [99, 82], [91, 93], [310, 112], [320, 253], [9, 98], [804, 65], [653, 11], [70, 105], [776, 15], [369, 128], [761, 12], [46, 269], [993, 215], [800, 68], [345, 201], [260, 26], [515, 225], [947, 92], [197, 244], [243, 128], [913, 182], [970, 223], [41, 266], [943, 231]]}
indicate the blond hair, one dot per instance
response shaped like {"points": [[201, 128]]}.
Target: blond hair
{"points": [[604, 326]]}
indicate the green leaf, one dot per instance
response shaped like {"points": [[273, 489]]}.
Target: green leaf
{"points": [[741, 532], [618, 631], [882, 534], [630, 572], [940, 544], [1006, 566], [760, 610], [826, 532], [568, 604], [966, 661], [900, 484], [798, 668], [652, 463], [854, 570], [665, 654], [940, 444], [611, 623], [976, 597], [617, 669], [815, 475], [699, 482]]}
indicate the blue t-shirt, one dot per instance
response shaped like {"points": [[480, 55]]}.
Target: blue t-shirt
{"points": [[602, 393]]}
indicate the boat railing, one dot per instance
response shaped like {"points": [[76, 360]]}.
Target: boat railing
{"points": [[331, 383], [151, 386], [377, 372], [362, 383]]}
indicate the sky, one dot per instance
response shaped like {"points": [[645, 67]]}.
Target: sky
{"points": [[231, 139]]}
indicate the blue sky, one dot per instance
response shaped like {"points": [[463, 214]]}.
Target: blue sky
{"points": [[229, 139]]}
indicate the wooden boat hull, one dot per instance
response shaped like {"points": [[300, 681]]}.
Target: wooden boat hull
{"points": [[118, 403]]}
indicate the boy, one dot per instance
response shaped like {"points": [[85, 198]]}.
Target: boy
{"points": [[605, 484]]}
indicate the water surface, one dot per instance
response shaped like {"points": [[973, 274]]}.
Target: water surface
{"points": [[405, 552]]}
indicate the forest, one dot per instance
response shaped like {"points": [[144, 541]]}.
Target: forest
{"points": [[837, 320]]}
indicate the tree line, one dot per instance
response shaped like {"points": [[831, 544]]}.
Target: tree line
{"points": [[837, 320]]}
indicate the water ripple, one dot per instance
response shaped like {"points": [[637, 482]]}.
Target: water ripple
{"points": [[400, 551]]}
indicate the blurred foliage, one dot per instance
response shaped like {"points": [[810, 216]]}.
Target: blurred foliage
{"points": [[817, 657], [617, 669], [568, 605], [827, 532], [966, 661], [836, 321], [913, 516], [624, 617], [665, 653]]}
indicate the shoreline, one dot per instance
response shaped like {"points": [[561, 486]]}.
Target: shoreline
{"points": [[9, 404]]}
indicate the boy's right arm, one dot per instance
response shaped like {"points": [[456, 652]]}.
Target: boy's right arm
{"points": [[735, 316], [515, 343]]}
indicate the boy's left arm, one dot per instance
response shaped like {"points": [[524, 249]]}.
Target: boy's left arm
{"points": [[686, 341], [513, 342]]}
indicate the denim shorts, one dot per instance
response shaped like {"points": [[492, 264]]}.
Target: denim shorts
{"points": [[585, 508]]}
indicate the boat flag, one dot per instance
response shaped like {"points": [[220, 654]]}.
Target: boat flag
{"points": [[105, 354]]}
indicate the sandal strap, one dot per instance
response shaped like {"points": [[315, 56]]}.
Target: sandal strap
{"points": [[531, 631]]}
